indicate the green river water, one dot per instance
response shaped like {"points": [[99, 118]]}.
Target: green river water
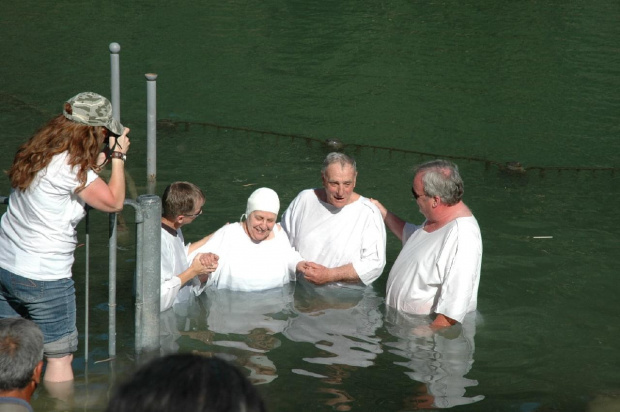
{"points": [[248, 92]]}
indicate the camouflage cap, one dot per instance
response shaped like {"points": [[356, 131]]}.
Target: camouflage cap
{"points": [[92, 109]]}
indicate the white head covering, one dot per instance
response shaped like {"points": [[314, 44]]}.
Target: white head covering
{"points": [[264, 199]]}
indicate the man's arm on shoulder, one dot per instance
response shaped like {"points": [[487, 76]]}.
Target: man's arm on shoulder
{"points": [[393, 222]]}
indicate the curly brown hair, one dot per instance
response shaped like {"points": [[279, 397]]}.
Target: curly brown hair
{"points": [[57, 136]]}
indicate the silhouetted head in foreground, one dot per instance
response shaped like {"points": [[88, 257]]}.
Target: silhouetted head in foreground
{"points": [[21, 357], [186, 382]]}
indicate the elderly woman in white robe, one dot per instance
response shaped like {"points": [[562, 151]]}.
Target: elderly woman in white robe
{"points": [[255, 253]]}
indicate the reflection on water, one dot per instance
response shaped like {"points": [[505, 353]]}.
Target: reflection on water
{"points": [[438, 361], [341, 321], [244, 327], [238, 326]]}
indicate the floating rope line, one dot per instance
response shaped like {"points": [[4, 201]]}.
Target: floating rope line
{"points": [[337, 145], [14, 102]]}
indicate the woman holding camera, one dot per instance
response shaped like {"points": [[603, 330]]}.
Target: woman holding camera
{"points": [[53, 177]]}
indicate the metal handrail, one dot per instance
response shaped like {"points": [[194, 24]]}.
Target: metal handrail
{"points": [[147, 276]]}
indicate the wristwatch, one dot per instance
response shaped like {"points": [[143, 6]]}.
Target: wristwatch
{"points": [[118, 155]]}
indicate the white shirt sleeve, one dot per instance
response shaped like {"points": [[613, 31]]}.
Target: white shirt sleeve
{"points": [[173, 263], [372, 259], [287, 221], [292, 256]]}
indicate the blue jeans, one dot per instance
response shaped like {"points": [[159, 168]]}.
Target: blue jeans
{"points": [[49, 304]]}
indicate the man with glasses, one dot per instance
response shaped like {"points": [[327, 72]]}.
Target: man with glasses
{"points": [[438, 270], [182, 203]]}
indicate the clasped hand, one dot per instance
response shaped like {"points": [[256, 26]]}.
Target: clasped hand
{"points": [[205, 264], [314, 273], [209, 261]]}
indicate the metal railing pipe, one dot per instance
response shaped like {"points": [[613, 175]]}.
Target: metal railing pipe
{"points": [[115, 48], [115, 80], [87, 287], [151, 272], [138, 273], [112, 245], [151, 132]]}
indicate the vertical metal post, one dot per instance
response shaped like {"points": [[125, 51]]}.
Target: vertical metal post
{"points": [[139, 288], [112, 287], [87, 288], [115, 80], [115, 48], [151, 270], [151, 132]]}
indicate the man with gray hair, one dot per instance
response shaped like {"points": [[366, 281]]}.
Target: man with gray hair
{"points": [[21, 363], [338, 232], [437, 272]]}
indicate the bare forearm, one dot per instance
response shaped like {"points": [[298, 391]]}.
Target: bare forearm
{"points": [[320, 275], [395, 224], [117, 183], [187, 275], [344, 273], [116, 186]]}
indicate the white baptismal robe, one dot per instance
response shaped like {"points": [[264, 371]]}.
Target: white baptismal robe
{"points": [[173, 263], [437, 272], [248, 266], [335, 237]]}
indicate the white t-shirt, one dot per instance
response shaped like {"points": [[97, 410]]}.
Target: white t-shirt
{"points": [[173, 263], [335, 237], [37, 232], [437, 272], [247, 266]]}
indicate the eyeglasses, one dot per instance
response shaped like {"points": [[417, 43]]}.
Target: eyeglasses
{"points": [[415, 195], [194, 215]]}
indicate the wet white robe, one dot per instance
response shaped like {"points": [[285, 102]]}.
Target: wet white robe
{"points": [[437, 272], [335, 237], [248, 266], [173, 263]]}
